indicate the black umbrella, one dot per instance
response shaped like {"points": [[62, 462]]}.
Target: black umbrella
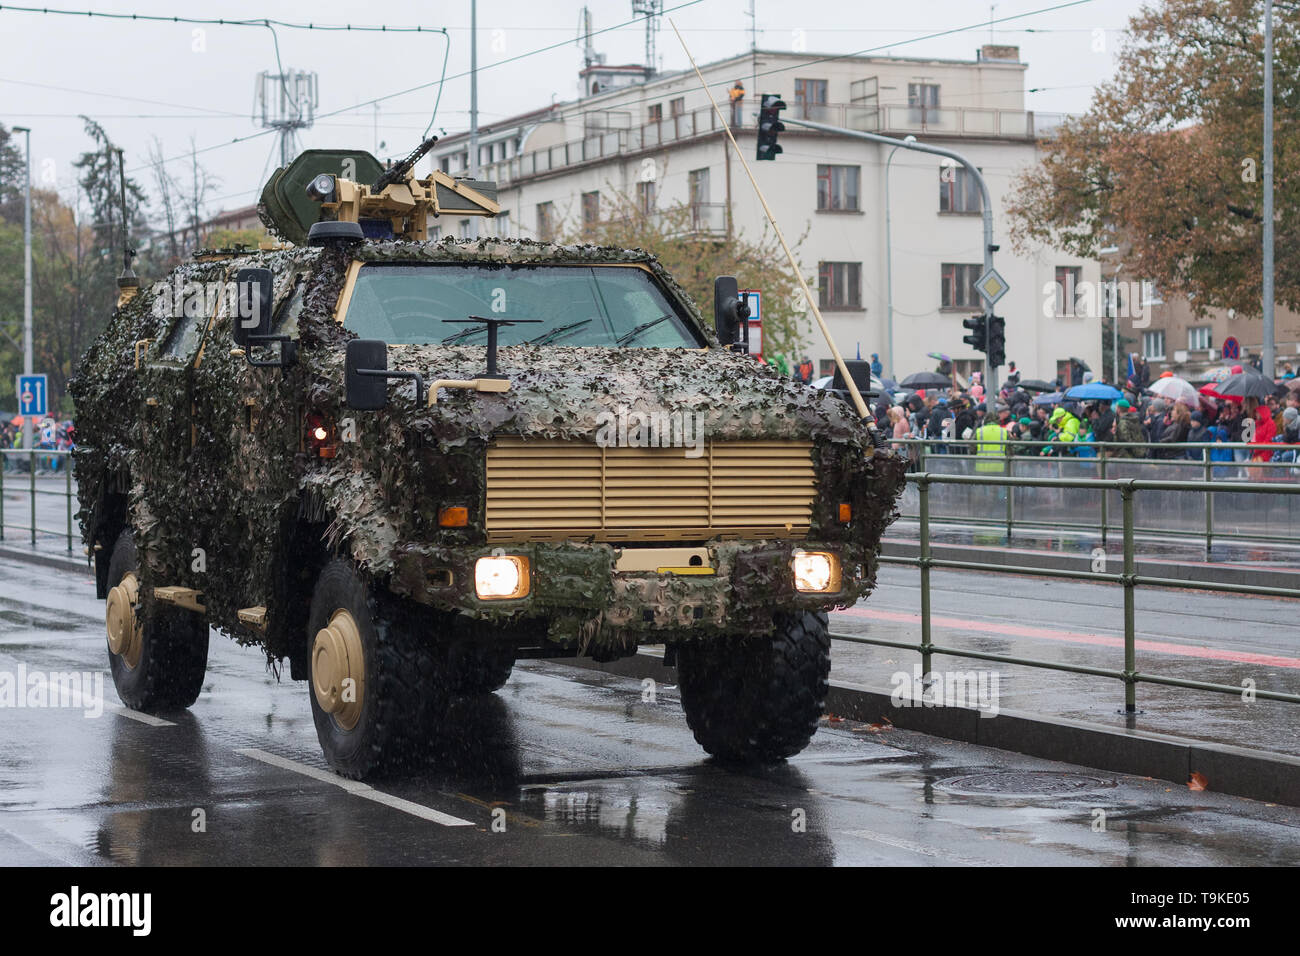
{"points": [[1037, 385], [1247, 386], [926, 380]]}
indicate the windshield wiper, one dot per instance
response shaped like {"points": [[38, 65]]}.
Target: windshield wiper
{"points": [[463, 333], [548, 336], [644, 326]]}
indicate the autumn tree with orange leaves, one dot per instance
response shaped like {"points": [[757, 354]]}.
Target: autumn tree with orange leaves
{"points": [[1167, 162]]}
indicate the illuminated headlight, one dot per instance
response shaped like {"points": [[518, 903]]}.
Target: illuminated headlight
{"points": [[501, 578], [815, 571]]}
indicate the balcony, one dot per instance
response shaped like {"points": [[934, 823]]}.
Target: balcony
{"points": [[601, 144]]}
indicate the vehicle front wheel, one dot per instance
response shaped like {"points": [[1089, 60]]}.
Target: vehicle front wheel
{"points": [[158, 660], [368, 675], [758, 699]]}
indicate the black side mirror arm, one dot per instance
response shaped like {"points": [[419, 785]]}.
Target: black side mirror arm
{"points": [[413, 376]]}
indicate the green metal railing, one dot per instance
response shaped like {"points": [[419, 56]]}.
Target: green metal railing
{"points": [[9, 478], [1269, 473], [1128, 579]]}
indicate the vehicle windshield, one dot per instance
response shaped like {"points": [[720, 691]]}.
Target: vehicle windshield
{"points": [[610, 306]]}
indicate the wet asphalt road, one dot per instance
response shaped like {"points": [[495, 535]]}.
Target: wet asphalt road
{"points": [[561, 766]]}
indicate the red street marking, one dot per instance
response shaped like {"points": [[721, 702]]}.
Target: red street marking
{"points": [[1074, 637]]}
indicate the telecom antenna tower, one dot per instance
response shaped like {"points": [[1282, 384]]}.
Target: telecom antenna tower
{"points": [[652, 10], [286, 102]]}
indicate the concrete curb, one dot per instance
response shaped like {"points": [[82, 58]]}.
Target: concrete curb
{"points": [[73, 564], [1239, 771], [1192, 572]]}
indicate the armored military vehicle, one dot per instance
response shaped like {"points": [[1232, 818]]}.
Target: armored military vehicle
{"points": [[401, 465]]}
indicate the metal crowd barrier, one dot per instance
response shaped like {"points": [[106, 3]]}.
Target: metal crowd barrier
{"points": [[1268, 477], [1128, 579], [10, 458]]}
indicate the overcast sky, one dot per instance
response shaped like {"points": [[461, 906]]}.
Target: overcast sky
{"points": [[142, 80]]}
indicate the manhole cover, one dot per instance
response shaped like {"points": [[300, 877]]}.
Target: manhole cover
{"points": [[1023, 783]]}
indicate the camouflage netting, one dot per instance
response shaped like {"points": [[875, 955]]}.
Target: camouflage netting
{"points": [[261, 511]]}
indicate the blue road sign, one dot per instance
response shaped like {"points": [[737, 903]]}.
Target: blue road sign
{"points": [[32, 395], [1231, 348], [754, 299]]}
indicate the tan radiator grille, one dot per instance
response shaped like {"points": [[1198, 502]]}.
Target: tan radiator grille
{"points": [[548, 489]]}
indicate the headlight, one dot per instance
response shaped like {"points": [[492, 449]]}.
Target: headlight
{"points": [[815, 571], [501, 577]]}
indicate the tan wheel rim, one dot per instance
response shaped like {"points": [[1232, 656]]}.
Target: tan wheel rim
{"points": [[338, 669], [125, 632]]}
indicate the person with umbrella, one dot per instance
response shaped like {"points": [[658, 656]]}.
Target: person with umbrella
{"points": [[1264, 432]]}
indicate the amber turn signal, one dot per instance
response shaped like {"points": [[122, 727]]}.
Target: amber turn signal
{"points": [[846, 512], [457, 517]]}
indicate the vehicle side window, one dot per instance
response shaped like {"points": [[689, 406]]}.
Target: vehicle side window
{"points": [[286, 317], [184, 337]]}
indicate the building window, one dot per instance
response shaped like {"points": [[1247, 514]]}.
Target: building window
{"points": [[645, 197], [590, 208], [546, 221], [464, 229], [1150, 294], [839, 285], [958, 191], [1153, 344], [1068, 290], [656, 112], [1200, 338], [445, 164], [503, 223], [462, 160], [837, 187], [809, 94], [923, 96], [678, 106], [698, 183], [957, 285]]}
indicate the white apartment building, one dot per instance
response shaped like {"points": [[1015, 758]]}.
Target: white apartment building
{"points": [[656, 140]]}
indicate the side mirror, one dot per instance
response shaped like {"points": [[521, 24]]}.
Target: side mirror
{"points": [[255, 300], [729, 312], [366, 392]]}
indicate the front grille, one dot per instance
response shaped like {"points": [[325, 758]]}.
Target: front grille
{"points": [[546, 490]]}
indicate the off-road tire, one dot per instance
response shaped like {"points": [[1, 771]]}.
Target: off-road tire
{"points": [[400, 677], [758, 699], [174, 647], [470, 669]]}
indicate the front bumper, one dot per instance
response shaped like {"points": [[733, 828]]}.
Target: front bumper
{"points": [[587, 594]]}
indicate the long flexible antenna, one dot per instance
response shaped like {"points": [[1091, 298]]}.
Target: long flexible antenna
{"points": [[852, 386]]}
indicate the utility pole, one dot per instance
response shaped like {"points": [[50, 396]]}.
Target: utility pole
{"points": [[991, 379], [1268, 356], [473, 104], [27, 279]]}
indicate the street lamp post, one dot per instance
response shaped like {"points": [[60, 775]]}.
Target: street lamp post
{"points": [[991, 384], [1267, 290], [889, 259], [27, 277]]}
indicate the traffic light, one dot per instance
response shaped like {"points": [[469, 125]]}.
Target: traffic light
{"points": [[976, 339], [769, 124], [997, 341]]}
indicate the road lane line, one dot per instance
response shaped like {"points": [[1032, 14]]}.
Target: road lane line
{"points": [[919, 848], [356, 788], [1002, 629], [149, 719]]}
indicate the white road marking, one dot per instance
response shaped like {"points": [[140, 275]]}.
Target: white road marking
{"points": [[149, 719], [919, 848], [357, 788]]}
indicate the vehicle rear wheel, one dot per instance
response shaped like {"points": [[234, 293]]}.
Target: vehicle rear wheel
{"points": [[158, 660], [758, 699], [369, 676]]}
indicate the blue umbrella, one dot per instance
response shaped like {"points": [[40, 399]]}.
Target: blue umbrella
{"points": [[1094, 390], [1052, 398]]}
